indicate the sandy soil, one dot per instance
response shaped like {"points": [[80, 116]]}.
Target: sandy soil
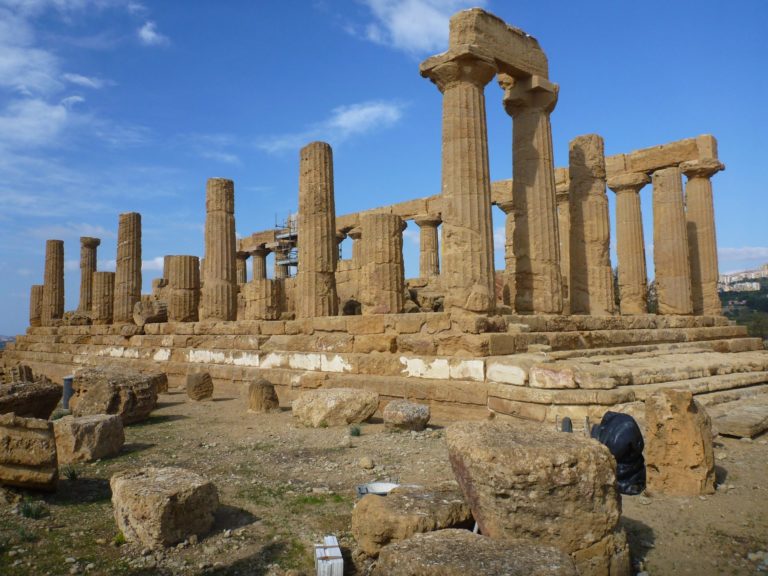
{"points": [[283, 487]]}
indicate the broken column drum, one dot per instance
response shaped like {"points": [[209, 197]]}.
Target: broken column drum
{"points": [[219, 290], [88, 248], [52, 308], [102, 304], [128, 267], [382, 276], [318, 252], [429, 259], [259, 257], [35, 304], [184, 288], [242, 267]]}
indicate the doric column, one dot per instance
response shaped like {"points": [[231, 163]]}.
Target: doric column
{"points": [[184, 288], [241, 263], [702, 240], [564, 233], [467, 272], [382, 277], [281, 270], [87, 268], [356, 234], [219, 292], [35, 304], [263, 299], [103, 301], [630, 243], [670, 243], [508, 290], [53, 283], [538, 280], [429, 259], [128, 268], [316, 277], [259, 256], [591, 278]]}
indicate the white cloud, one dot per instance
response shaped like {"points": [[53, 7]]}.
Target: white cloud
{"points": [[344, 122], [85, 81], [414, 26], [499, 238], [32, 122], [411, 235], [149, 36], [743, 253], [70, 230], [152, 264]]}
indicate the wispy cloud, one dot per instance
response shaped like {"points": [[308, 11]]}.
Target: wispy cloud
{"points": [[149, 36], [86, 81], [414, 26], [744, 253], [499, 238], [70, 230], [343, 123], [411, 236], [215, 147]]}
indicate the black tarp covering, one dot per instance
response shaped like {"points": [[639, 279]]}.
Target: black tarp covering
{"points": [[621, 434]]}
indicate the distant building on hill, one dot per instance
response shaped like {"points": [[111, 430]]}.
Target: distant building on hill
{"points": [[745, 281]]}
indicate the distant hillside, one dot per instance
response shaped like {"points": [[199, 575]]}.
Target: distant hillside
{"points": [[5, 339], [749, 309]]}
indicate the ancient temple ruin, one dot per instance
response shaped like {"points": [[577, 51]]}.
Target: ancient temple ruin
{"points": [[542, 338]]}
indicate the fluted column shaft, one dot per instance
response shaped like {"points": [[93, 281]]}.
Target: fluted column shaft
{"points": [[630, 242], [591, 277], [508, 289], [260, 263], [281, 270], [670, 243], [702, 239], [128, 268], [52, 308], [88, 248], [102, 305], [564, 232], [467, 272], [35, 304], [318, 252], [382, 278], [357, 257], [263, 299], [219, 292], [429, 259], [538, 280], [184, 288], [241, 263]]}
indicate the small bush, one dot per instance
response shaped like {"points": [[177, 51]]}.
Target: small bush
{"points": [[70, 473], [355, 431], [119, 539], [32, 509], [27, 535]]}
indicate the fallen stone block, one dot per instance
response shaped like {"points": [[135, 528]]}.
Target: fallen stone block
{"points": [[199, 386], [405, 415], [461, 553], [262, 397], [405, 511], [334, 406], [115, 390], [30, 399], [27, 453], [159, 507], [88, 438]]}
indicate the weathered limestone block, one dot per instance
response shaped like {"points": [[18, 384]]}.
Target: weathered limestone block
{"points": [[679, 457], [184, 288], [382, 278], [455, 552], [263, 299], [27, 453], [35, 305], [52, 308], [128, 267], [318, 253], [591, 277], [30, 399], [18, 373], [88, 247], [262, 397], [116, 390], [219, 289], [405, 511], [150, 311], [103, 298], [405, 415], [558, 489], [88, 438], [158, 507], [199, 386], [334, 406]]}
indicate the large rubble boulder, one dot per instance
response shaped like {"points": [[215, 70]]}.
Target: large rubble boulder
{"points": [[262, 396], [679, 455], [27, 453], [406, 510], [162, 506], [116, 390], [405, 415], [30, 399], [199, 386], [554, 488], [88, 438], [334, 406], [462, 553]]}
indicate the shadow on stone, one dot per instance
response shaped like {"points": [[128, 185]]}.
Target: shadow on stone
{"points": [[721, 474], [167, 404], [256, 564], [640, 538], [134, 447], [231, 518], [81, 491]]}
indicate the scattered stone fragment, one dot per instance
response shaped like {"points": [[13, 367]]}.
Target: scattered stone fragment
{"points": [[199, 386], [366, 463], [30, 399], [262, 396], [27, 453], [88, 438], [163, 506], [405, 415], [334, 406], [115, 390]]}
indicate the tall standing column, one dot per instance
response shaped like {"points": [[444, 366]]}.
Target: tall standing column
{"points": [[630, 243], [467, 273], [591, 278], [564, 232], [241, 263], [429, 260], [52, 308], [184, 288], [530, 101], [316, 278], [128, 268], [382, 279], [340, 237], [356, 234], [219, 293], [35, 304], [702, 240], [281, 270], [88, 248], [103, 301], [508, 289], [259, 256], [670, 243]]}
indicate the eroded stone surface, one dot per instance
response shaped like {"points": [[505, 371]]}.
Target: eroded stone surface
{"points": [[199, 386], [262, 396], [405, 415], [334, 406], [115, 390], [30, 399], [88, 438], [27, 453]]}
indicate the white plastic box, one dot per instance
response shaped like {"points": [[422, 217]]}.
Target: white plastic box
{"points": [[328, 560]]}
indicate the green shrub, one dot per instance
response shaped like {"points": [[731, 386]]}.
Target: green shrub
{"points": [[34, 509], [355, 430]]}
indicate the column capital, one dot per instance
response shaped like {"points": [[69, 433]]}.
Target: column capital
{"points": [[356, 233], [88, 242], [470, 65], [260, 251], [242, 255], [629, 182], [705, 168], [428, 220], [534, 92], [507, 206]]}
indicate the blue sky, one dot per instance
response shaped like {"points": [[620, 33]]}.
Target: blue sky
{"points": [[109, 106]]}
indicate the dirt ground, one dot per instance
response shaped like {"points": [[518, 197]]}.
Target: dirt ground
{"points": [[283, 486]]}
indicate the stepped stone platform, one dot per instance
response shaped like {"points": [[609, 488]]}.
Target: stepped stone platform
{"points": [[537, 367]]}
